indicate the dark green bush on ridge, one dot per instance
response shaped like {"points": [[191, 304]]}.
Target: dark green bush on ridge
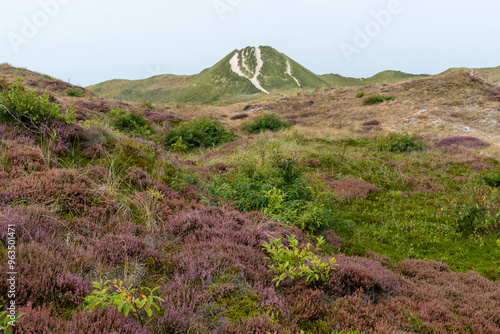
{"points": [[200, 132], [400, 142], [493, 180], [132, 123], [377, 99], [25, 107], [266, 122], [74, 92]]}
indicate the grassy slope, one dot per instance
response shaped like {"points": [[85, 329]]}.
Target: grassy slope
{"points": [[384, 77], [488, 74]]}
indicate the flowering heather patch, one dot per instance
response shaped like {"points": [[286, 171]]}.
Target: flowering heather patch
{"points": [[334, 240], [27, 158], [352, 188], [260, 324], [424, 184], [70, 290], [115, 249], [38, 268], [70, 188], [313, 162], [60, 147], [371, 123], [239, 116], [163, 117], [173, 204], [466, 141], [95, 151], [68, 133], [271, 300], [180, 303], [356, 273], [215, 241], [137, 177], [147, 143], [34, 224], [306, 304]]}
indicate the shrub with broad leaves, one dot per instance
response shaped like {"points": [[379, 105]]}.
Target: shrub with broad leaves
{"points": [[125, 299], [296, 261], [200, 132], [24, 107]]}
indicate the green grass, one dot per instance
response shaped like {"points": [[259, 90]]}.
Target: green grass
{"points": [[377, 99], [417, 214]]}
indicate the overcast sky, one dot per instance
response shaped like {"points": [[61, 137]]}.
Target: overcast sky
{"points": [[90, 41]]}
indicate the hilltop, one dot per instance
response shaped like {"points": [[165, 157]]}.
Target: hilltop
{"points": [[253, 73], [360, 209]]}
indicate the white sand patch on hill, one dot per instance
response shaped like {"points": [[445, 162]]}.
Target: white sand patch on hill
{"points": [[235, 67], [289, 72]]}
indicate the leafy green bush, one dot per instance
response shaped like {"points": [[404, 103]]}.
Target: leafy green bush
{"points": [[296, 261], [279, 189], [377, 99], [125, 299], [131, 123], [400, 142], [200, 132], [266, 122], [360, 95], [74, 92], [493, 180], [148, 105], [6, 321], [25, 107]]}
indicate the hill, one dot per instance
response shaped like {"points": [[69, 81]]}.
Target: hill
{"points": [[243, 75], [384, 77], [488, 74], [353, 218], [250, 73]]}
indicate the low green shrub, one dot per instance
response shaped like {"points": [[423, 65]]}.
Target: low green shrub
{"points": [[266, 122], [296, 261], [148, 105], [200, 132], [493, 180], [7, 322], [400, 142], [25, 107], [360, 95], [127, 300], [74, 92], [279, 189], [131, 123], [377, 99]]}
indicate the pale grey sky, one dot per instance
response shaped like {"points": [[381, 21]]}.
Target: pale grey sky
{"points": [[95, 40]]}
